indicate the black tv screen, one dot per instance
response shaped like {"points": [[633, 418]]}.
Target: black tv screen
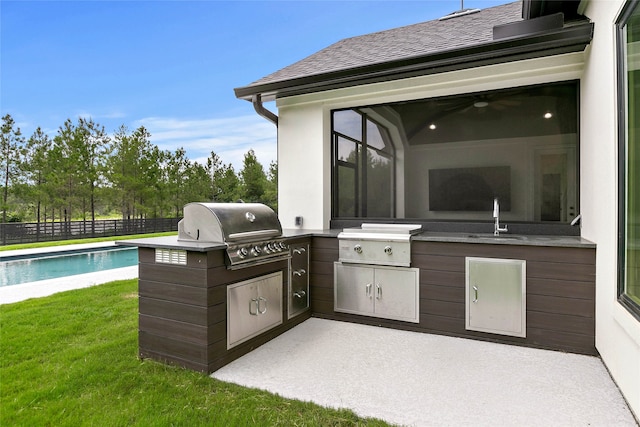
{"points": [[469, 189]]}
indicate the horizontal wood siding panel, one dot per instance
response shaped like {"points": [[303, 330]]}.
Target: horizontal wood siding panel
{"points": [[177, 293], [443, 308], [568, 306], [172, 349], [560, 322], [174, 329], [442, 293], [323, 294], [561, 271], [560, 340], [198, 315], [325, 243], [438, 262], [443, 278], [561, 288], [173, 274]]}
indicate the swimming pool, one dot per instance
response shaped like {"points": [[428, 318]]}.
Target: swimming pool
{"points": [[15, 270]]}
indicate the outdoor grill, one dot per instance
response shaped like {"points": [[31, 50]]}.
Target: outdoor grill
{"points": [[377, 244], [251, 231]]}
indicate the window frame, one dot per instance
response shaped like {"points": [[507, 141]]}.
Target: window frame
{"points": [[360, 166], [622, 106]]}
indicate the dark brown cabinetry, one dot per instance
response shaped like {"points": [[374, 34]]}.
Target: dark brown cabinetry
{"points": [[183, 307], [560, 291]]}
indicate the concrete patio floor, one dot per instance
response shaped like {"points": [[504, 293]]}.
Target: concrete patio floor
{"points": [[417, 379]]}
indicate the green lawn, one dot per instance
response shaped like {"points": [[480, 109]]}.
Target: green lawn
{"points": [[71, 359]]}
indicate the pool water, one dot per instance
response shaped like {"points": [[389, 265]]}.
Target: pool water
{"points": [[22, 269]]}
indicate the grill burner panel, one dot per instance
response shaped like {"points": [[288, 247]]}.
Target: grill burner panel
{"points": [[377, 244], [251, 231], [256, 253]]}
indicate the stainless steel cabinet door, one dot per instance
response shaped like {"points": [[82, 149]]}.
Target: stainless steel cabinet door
{"points": [[353, 289], [253, 306], [496, 296], [396, 293], [270, 302]]}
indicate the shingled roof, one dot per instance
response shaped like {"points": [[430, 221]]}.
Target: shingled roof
{"points": [[399, 43], [403, 52]]}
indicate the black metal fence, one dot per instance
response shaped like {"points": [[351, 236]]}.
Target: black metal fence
{"points": [[29, 232]]}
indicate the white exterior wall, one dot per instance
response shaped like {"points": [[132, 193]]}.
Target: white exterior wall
{"points": [[304, 167], [617, 332]]}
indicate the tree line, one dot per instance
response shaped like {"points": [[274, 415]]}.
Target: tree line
{"points": [[84, 173]]}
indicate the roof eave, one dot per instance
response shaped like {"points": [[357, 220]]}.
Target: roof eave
{"points": [[571, 39]]}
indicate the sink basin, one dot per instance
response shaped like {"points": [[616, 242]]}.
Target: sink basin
{"points": [[502, 237]]}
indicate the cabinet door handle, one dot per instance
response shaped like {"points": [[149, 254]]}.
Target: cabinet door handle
{"points": [[253, 300], [475, 294], [299, 272], [260, 299], [299, 294], [299, 251], [368, 290], [378, 291]]}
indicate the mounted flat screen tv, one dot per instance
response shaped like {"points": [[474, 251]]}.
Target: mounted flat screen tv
{"points": [[469, 189]]}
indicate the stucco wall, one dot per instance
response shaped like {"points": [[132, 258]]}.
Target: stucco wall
{"points": [[617, 332]]}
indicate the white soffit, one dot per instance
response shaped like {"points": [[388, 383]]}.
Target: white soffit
{"points": [[499, 76]]}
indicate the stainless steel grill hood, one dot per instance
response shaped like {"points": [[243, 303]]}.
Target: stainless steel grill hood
{"points": [[228, 222], [251, 231]]}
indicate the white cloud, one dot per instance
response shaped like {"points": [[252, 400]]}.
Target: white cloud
{"points": [[230, 138]]}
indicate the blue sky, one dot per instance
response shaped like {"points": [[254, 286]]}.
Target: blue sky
{"points": [[171, 66]]}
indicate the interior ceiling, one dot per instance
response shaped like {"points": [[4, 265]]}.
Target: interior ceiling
{"points": [[491, 115]]}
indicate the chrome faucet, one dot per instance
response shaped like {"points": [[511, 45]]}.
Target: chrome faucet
{"points": [[496, 216]]}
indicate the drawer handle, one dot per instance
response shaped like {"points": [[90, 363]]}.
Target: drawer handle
{"points": [[299, 251], [299, 272], [253, 300], [475, 293], [388, 250], [357, 249], [263, 311]]}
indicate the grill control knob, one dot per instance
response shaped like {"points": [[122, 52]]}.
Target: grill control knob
{"points": [[255, 251], [242, 252], [388, 250], [357, 249], [283, 245]]}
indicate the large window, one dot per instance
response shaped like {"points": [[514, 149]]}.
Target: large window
{"points": [[444, 160], [629, 152], [364, 160]]}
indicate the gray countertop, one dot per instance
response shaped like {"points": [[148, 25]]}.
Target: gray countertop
{"points": [[427, 236], [505, 239]]}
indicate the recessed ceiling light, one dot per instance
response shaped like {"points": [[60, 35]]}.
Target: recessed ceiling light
{"points": [[548, 115], [432, 126], [480, 104]]}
